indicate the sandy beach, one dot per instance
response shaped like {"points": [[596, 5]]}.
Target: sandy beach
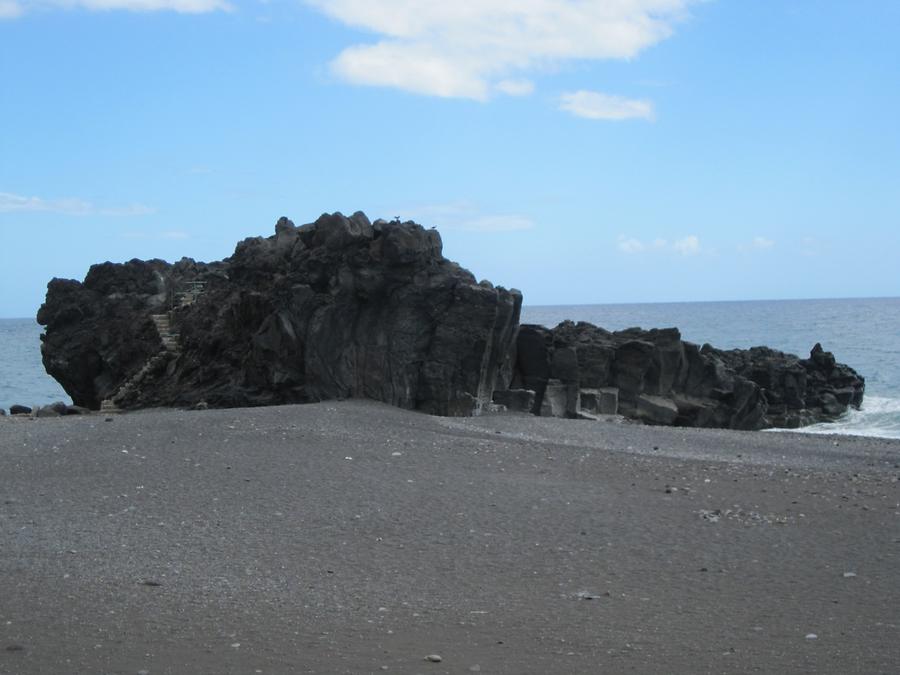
{"points": [[354, 537]]}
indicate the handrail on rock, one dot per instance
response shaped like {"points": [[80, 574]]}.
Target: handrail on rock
{"points": [[186, 293]]}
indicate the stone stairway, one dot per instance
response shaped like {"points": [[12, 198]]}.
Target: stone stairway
{"points": [[170, 346], [164, 328]]}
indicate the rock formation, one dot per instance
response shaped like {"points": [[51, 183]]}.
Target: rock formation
{"points": [[345, 308], [655, 377], [337, 308]]}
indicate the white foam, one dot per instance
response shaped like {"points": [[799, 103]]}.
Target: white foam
{"points": [[878, 417]]}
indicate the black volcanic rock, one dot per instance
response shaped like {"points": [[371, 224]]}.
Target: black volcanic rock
{"points": [[344, 308], [333, 309], [658, 378]]}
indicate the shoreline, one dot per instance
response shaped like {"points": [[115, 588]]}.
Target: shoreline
{"points": [[347, 537], [817, 429]]}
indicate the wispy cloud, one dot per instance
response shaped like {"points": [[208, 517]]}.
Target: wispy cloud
{"points": [[475, 48], [10, 9], [12, 203], [689, 245], [515, 87], [757, 244], [597, 106], [630, 244]]}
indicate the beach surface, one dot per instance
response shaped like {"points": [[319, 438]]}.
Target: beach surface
{"points": [[354, 537]]}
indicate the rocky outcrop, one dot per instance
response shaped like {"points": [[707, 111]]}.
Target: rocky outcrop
{"points": [[653, 376], [345, 308], [334, 309]]}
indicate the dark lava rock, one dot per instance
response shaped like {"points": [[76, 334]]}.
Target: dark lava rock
{"points": [[333, 309], [660, 379], [57, 409], [19, 410]]}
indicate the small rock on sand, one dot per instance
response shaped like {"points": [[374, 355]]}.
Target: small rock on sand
{"points": [[434, 658]]}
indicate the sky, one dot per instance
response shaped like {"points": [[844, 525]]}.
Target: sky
{"points": [[582, 151]]}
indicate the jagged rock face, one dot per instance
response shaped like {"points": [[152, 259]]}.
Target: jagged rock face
{"points": [[660, 379], [334, 309]]}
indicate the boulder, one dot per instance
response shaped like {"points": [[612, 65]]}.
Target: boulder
{"points": [[57, 409], [19, 410], [655, 410], [602, 401], [333, 309], [515, 400], [560, 400]]}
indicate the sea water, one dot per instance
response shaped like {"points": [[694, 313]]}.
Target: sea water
{"points": [[863, 333], [23, 379]]}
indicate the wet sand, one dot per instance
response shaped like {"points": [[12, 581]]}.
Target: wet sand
{"points": [[357, 538]]}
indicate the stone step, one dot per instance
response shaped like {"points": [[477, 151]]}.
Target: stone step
{"points": [[164, 328], [170, 344]]}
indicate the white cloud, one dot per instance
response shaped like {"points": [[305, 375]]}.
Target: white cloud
{"points": [[13, 8], [597, 106], [10, 9], [472, 48], [417, 68], [757, 244], [183, 6], [689, 245], [630, 245], [12, 203], [515, 87]]}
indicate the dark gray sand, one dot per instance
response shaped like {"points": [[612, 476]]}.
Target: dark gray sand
{"points": [[357, 538]]}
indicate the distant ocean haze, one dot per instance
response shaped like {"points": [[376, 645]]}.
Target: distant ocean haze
{"points": [[863, 333]]}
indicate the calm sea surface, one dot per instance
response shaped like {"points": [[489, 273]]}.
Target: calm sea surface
{"points": [[864, 333]]}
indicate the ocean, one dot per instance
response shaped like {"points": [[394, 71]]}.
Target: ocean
{"points": [[863, 333]]}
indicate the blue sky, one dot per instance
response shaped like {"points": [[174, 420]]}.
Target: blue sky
{"points": [[583, 152]]}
